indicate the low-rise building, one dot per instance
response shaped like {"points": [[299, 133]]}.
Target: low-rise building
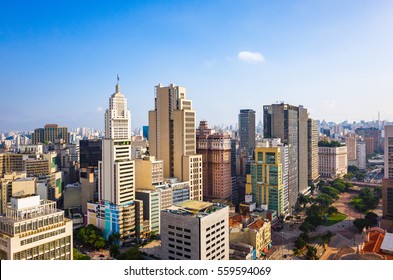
{"points": [[195, 230], [33, 229]]}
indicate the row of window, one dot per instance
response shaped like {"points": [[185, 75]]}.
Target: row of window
{"points": [[42, 236], [47, 251]]}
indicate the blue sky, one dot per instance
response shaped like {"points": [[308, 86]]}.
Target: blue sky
{"points": [[59, 59]]}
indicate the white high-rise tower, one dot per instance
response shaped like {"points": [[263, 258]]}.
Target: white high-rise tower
{"points": [[116, 210], [117, 117], [116, 170]]}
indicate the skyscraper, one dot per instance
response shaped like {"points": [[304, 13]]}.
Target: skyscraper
{"points": [[268, 181], [312, 133], [215, 149], [247, 130], [289, 123], [116, 170], [116, 211], [172, 137], [387, 185]]}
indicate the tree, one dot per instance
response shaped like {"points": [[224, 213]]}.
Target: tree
{"points": [[332, 192], [92, 236], [311, 253], [321, 183], [360, 224], [114, 250], [340, 186], [324, 200], [312, 188], [306, 227], [303, 200], [99, 243], [332, 210], [131, 254], [300, 243], [79, 256], [114, 238], [371, 218]]}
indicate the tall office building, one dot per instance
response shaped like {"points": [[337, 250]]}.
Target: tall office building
{"points": [[216, 156], [33, 229], [289, 123], [312, 133], [172, 137], [351, 143], [50, 133], [387, 185], [90, 152], [247, 130], [116, 170], [116, 210], [268, 181], [235, 191], [195, 230], [374, 133]]}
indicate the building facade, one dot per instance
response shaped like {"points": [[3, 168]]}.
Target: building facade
{"points": [[387, 185], [313, 137], [50, 133], [33, 229], [172, 137], [267, 182], [117, 211], [333, 161], [216, 162], [290, 124], [195, 230], [247, 130]]}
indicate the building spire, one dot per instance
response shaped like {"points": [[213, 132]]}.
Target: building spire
{"points": [[117, 84]]}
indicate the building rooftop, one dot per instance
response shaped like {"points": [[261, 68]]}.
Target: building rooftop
{"points": [[257, 224], [194, 208], [24, 179], [387, 243], [195, 205]]}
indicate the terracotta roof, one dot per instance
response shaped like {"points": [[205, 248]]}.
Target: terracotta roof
{"points": [[374, 244], [257, 224]]}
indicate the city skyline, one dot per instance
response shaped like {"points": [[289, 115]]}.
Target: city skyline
{"points": [[59, 61]]}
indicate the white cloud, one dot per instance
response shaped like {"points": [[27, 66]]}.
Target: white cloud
{"points": [[250, 56], [99, 109]]}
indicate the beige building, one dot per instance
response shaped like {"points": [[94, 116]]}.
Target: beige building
{"points": [[195, 230], [333, 161], [11, 163], [15, 183], [351, 142], [88, 185], [216, 161], [257, 234], [149, 172], [33, 229], [313, 136], [172, 137]]}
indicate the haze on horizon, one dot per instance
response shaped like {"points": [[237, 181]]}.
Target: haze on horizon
{"points": [[59, 60]]}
